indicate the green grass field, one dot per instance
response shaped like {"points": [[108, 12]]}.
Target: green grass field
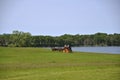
{"points": [[43, 64]]}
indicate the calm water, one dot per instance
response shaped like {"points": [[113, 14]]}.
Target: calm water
{"points": [[112, 50]]}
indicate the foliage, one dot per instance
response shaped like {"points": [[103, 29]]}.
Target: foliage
{"points": [[22, 39]]}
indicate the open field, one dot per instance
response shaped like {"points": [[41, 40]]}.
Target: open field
{"points": [[43, 64]]}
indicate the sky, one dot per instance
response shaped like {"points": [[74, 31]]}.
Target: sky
{"points": [[58, 17]]}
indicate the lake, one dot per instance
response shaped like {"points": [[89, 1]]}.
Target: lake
{"points": [[112, 50]]}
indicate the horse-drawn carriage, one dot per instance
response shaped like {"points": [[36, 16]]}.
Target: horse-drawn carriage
{"points": [[66, 49]]}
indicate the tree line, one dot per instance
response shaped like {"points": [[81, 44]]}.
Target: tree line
{"points": [[25, 39]]}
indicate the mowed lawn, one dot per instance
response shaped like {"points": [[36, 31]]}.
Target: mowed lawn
{"points": [[43, 64]]}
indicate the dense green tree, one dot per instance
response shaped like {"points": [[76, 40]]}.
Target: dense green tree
{"points": [[19, 39], [25, 39]]}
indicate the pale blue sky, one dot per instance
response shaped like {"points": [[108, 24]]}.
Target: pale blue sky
{"points": [[58, 17]]}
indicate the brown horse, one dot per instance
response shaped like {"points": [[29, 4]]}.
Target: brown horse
{"points": [[67, 50]]}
